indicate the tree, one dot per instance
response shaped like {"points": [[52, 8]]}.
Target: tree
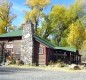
{"points": [[76, 35], [56, 23], [61, 18], [2, 27], [11, 28], [36, 11], [76, 12], [57, 17], [77, 17], [21, 26], [83, 18], [46, 28], [6, 17]]}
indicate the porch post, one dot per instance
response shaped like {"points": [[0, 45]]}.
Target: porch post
{"points": [[79, 58], [74, 58], [64, 56], [70, 57]]}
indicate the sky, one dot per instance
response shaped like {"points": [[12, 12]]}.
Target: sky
{"points": [[19, 7]]}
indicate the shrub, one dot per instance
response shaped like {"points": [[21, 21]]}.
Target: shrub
{"points": [[58, 64]]}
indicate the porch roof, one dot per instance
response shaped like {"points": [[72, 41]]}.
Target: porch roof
{"points": [[66, 48]]}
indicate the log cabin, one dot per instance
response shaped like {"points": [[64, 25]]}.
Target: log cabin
{"points": [[43, 52]]}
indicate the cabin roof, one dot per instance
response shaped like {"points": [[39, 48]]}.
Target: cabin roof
{"points": [[37, 38], [67, 48], [50, 45], [12, 34], [44, 41]]}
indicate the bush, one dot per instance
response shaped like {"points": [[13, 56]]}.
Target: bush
{"points": [[58, 64], [21, 62], [12, 62], [61, 64]]}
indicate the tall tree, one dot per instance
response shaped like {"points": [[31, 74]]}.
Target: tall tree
{"points": [[76, 35], [61, 18], [46, 28], [6, 17], [37, 7], [77, 26], [57, 17]]}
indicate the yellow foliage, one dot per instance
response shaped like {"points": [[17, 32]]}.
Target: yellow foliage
{"points": [[5, 16], [32, 14], [76, 36], [58, 9], [34, 3], [36, 6], [2, 26], [84, 46], [57, 14]]}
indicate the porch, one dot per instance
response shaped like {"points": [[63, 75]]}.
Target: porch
{"points": [[67, 57]]}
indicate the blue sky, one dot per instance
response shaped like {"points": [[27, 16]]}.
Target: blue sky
{"points": [[19, 7]]}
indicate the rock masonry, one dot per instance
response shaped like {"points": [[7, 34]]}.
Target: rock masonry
{"points": [[27, 44]]}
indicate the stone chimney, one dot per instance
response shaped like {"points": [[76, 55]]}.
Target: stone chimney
{"points": [[27, 43]]}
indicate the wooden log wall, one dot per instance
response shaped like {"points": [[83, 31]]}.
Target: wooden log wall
{"points": [[42, 56]]}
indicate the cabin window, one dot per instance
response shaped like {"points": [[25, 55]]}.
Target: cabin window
{"points": [[40, 50]]}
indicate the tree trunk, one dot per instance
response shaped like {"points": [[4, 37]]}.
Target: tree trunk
{"points": [[35, 25], [58, 40], [58, 43], [6, 29]]}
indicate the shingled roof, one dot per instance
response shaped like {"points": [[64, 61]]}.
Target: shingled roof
{"points": [[37, 38]]}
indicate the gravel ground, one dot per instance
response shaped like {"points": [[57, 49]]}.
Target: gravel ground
{"points": [[38, 74]]}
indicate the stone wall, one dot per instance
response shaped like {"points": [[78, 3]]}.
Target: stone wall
{"points": [[27, 44]]}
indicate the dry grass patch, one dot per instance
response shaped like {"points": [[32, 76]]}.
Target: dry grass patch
{"points": [[49, 67]]}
